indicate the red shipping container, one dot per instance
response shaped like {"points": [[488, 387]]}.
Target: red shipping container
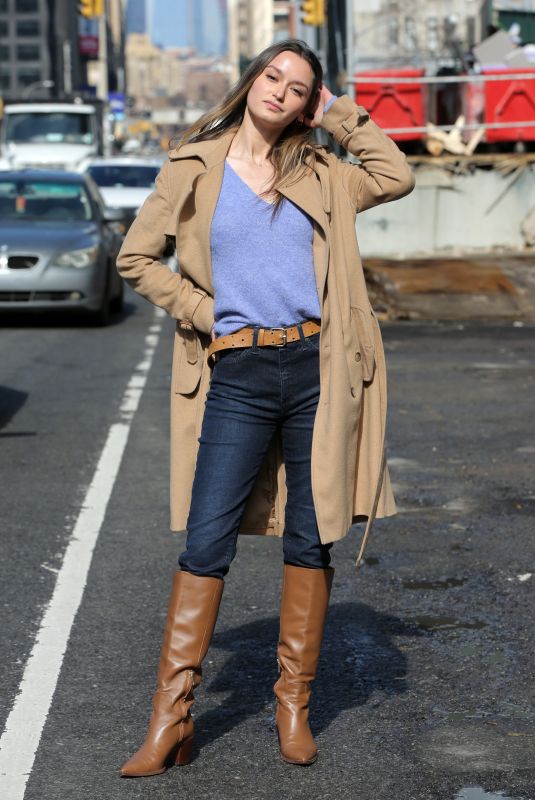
{"points": [[391, 104], [510, 101]]}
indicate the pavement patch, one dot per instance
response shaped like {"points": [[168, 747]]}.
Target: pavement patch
{"points": [[477, 747], [477, 793]]}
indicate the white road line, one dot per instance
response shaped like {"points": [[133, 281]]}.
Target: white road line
{"points": [[25, 723]]}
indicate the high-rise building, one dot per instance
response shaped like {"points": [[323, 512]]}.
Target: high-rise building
{"points": [[400, 32], [199, 24], [136, 16], [39, 48], [250, 30]]}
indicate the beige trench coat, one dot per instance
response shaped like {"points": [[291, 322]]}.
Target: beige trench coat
{"points": [[349, 476]]}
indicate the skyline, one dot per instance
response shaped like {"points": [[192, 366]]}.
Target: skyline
{"points": [[200, 24]]}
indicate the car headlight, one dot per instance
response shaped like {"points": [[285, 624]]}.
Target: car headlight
{"points": [[77, 258]]}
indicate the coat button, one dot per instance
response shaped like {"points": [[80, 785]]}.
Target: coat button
{"points": [[357, 356], [353, 392]]}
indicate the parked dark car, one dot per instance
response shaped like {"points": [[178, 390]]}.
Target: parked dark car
{"points": [[58, 244]]}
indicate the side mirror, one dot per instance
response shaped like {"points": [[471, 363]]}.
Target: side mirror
{"points": [[113, 214]]}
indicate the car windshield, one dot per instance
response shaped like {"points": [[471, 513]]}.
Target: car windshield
{"points": [[46, 200], [129, 175], [49, 127]]}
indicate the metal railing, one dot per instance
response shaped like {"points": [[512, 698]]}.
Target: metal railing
{"points": [[441, 79], [479, 78]]}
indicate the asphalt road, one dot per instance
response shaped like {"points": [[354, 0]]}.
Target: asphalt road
{"points": [[426, 686]]}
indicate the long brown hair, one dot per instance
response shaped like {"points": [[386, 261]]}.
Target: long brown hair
{"points": [[293, 148]]}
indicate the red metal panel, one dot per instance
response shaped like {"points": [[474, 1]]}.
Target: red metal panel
{"points": [[510, 101], [391, 104]]}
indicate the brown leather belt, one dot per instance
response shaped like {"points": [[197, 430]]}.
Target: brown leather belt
{"points": [[267, 337]]}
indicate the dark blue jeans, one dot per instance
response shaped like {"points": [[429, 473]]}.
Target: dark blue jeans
{"points": [[254, 392]]}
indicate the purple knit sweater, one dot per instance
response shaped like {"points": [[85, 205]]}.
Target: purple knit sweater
{"points": [[263, 268]]}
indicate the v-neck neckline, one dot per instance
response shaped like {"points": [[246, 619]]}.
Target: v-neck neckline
{"points": [[258, 197]]}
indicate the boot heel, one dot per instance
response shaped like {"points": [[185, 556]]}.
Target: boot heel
{"points": [[183, 755]]}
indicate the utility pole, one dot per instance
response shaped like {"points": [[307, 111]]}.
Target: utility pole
{"points": [[100, 13], [312, 26], [350, 47]]}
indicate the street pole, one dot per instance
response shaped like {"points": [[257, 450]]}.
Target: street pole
{"points": [[350, 46], [67, 67], [102, 89]]}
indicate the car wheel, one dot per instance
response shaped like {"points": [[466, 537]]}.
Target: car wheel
{"points": [[101, 317], [117, 304]]}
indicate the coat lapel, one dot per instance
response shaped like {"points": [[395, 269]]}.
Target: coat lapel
{"points": [[310, 196], [201, 175]]}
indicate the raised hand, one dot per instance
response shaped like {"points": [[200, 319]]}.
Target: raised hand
{"points": [[313, 120]]}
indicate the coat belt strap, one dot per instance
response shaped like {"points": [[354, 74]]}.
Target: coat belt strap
{"points": [[186, 324], [373, 511]]}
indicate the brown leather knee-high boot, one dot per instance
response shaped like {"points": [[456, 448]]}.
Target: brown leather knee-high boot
{"points": [[191, 618], [304, 602]]}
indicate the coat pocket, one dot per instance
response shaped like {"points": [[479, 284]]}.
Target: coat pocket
{"points": [[187, 361], [362, 328]]}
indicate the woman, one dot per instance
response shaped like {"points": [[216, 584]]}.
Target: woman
{"points": [[278, 390]]}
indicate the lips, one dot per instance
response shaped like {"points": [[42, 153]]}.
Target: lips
{"points": [[273, 105]]}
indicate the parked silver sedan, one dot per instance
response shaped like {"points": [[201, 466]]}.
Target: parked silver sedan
{"points": [[58, 245]]}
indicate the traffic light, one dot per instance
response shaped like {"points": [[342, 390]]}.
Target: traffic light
{"points": [[91, 8], [313, 12], [86, 8]]}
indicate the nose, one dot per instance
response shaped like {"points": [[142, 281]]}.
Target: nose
{"points": [[279, 92]]}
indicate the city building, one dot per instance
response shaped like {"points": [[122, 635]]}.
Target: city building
{"points": [[284, 19], [38, 48], [251, 28], [136, 16], [199, 24], [43, 48], [407, 32], [152, 71], [520, 13]]}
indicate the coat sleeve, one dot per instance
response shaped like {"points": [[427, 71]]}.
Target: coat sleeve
{"points": [[139, 263], [383, 173]]}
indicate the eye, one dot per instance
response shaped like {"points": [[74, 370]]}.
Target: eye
{"points": [[298, 92], [271, 77]]}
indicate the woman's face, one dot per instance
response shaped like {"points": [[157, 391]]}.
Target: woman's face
{"points": [[282, 91]]}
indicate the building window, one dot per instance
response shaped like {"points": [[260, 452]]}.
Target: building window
{"points": [[3, 7], [432, 34], [27, 76], [393, 32], [28, 27], [4, 52], [410, 34], [28, 52], [5, 82], [4, 27], [27, 6]]}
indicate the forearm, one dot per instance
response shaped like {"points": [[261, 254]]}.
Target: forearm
{"points": [[383, 173], [139, 264], [157, 283]]}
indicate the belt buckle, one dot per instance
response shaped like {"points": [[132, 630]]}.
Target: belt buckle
{"points": [[284, 335]]}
